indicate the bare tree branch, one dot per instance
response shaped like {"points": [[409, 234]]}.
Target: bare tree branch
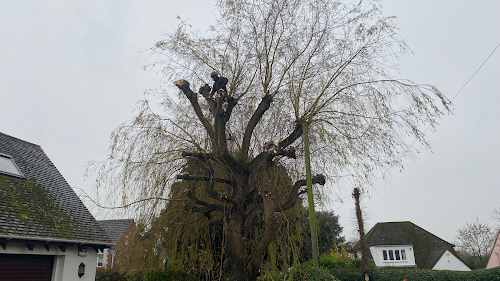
{"points": [[183, 85], [205, 178], [264, 105], [294, 192]]}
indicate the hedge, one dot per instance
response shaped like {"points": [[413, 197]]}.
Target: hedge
{"points": [[342, 272], [435, 275], [418, 275], [303, 272], [114, 275]]}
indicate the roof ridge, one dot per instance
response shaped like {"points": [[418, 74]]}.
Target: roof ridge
{"points": [[18, 139]]}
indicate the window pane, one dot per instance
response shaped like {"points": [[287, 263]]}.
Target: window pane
{"points": [[391, 255], [397, 254], [384, 252], [403, 255], [8, 166]]}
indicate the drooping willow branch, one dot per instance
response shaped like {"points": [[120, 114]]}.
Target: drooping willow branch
{"points": [[126, 205]]}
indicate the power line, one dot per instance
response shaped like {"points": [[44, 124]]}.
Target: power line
{"points": [[475, 73], [341, 199], [450, 100]]}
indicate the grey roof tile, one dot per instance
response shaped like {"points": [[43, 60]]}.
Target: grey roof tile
{"points": [[43, 204], [115, 228]]}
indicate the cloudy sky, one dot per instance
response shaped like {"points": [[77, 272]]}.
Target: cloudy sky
{"points": [[71, 72]]}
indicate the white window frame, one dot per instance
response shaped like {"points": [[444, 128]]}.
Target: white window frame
{"points": [[19, 173], [387, 254]]}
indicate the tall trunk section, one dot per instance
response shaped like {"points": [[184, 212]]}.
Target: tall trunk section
{"points": [[310, 198], [362, 238]]}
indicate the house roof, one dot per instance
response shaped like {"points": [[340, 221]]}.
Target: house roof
{"points": [[427, 247], [42, 205], [115, 228]]}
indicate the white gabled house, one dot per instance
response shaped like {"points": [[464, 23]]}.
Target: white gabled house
{"points": [[406, 245], [46, 232]]}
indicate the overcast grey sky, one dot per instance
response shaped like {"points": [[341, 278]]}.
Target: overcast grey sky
{"points": [[71, 71]]}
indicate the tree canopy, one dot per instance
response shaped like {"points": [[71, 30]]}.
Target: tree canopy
{"points": [[475, 241], [325, 63]]}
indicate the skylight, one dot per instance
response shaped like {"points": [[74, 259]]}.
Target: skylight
{"points": [[8, 167]]}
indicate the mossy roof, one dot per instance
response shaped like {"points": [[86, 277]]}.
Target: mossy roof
{"points": [[427, 247], [42, 205]]}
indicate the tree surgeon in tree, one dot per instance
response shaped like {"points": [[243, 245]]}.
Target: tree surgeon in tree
{"points": [[220, 91], [219, 83]]}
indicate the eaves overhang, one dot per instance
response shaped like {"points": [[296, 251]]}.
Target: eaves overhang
{"points": [[47, 242]]}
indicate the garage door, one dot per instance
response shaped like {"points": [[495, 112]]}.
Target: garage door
{"points": [[26, 267]]}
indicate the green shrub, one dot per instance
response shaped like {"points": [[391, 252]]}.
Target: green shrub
{"points": [[396, 274], [109, 275], [274, 276], [436, 275], [307, 272], [303, 272], [332, 262], [169, 276]]}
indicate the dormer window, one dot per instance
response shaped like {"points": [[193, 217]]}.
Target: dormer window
{"points": [[391, 255], [9, 167]]}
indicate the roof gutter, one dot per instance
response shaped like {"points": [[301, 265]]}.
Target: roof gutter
{"points": [[56, 240]]}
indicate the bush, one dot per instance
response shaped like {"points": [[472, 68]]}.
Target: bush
{"points": [[307, 272], [302, 272], [344, 267], [133, 275], [109, 275], [169, 276]]}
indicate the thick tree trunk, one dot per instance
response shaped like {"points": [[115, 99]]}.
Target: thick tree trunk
{"points": [[235, 262]]}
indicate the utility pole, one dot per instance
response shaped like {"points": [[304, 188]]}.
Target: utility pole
{"points": [[310, 197]]}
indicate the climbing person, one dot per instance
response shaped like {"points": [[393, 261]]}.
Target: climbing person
{"points": [[219, 88], [219, 84]]}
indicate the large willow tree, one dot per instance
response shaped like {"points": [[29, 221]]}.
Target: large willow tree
{"points": [[321, 62]]}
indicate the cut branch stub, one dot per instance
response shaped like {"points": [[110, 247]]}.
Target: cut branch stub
{"points": [[205, 91], [297, 133], [294, 193], [290, 152], [183, 85]]}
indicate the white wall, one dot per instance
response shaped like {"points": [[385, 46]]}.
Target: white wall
{"points": [[65, 263], [449, 262], [378, 257]]}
